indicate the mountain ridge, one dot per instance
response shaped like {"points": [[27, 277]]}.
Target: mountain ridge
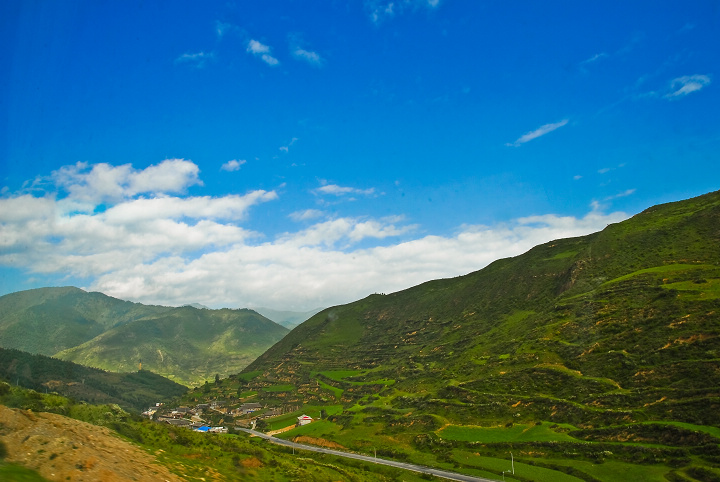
{"points": [[602, 313], [189, 345]]}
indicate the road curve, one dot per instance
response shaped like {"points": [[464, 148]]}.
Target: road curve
{"points": [[366, 458]]}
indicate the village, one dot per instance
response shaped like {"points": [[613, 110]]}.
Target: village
{"points": [[203, 416]]}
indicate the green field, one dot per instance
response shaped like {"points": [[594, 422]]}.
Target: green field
{"points": [[516, 433]]}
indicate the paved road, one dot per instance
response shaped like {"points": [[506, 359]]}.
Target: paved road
{"points": [[401, 465]]}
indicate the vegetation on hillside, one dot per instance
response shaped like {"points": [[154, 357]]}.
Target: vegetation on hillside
{"points": [[201, 456], [132, 391], [593, 358], [187, 344], [611, 340], [48, 320]]}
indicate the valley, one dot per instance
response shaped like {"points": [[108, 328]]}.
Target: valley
{"points": [[594, 358]]}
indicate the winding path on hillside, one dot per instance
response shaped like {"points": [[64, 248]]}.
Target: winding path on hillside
{"points": [[366, 458]]}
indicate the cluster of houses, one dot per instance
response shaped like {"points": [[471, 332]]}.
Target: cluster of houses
{"points": [[190, 417], [178, 417]]}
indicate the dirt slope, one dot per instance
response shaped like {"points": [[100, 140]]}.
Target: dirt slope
{"points": [[61, 448]]}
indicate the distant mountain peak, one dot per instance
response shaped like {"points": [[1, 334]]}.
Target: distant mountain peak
{"points": [[197, 305]]}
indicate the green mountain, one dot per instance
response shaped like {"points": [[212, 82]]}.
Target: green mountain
{"points": [[48, 320], [186, 344], [615, 327], [135, 391]]}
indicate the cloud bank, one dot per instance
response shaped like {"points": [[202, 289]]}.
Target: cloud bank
{"points": [[135, 234]]}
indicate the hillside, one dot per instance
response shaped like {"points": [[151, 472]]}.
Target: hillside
{"points": [[186, 344], [48, 320], [60, 439], [619, 326], [60, 448], [132, 391]]}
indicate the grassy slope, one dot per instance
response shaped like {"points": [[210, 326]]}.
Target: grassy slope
{"points": [[135, 391], [625, 319], [196, 456], [186, 344], [48, 320], [596, 335]]}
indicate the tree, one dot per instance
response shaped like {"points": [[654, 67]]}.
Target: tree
{"points": [[217, 379], [261, 425]]}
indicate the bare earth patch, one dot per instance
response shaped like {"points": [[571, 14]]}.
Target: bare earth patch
{"points": [[320, 442], [60, 448]]}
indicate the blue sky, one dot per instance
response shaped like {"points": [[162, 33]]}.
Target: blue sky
{"points": [[302, 154]]}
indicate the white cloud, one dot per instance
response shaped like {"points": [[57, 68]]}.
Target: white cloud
{"points": [[103, 182], [233, 165], [263, 51], [197, 59], [594, 58], [625, 193], [313, 58], [256, 47], [344, 231], [306, 215], [287, 148], [540, 131], [226, 207], [101, 224], [302, 270], [687, 84], [381, 10], [164, 248], [335, 190]]}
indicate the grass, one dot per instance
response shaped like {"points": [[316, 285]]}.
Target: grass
{"points": [[516, 433], [18, 473], [497, 466], [337, 392], [246, 377], [339, 375], [288, 419], [611, 470], [573, 341], [669, 268], [709, 290]]}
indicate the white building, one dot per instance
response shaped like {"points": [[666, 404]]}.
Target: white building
{"points": [[304, 420]]}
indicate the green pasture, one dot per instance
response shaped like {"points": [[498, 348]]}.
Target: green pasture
{"points": [[611, 470], [707, 290], [337, 392], [666, 269], [497, 466], [516, 433], [18, 473], [287, 419]]}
